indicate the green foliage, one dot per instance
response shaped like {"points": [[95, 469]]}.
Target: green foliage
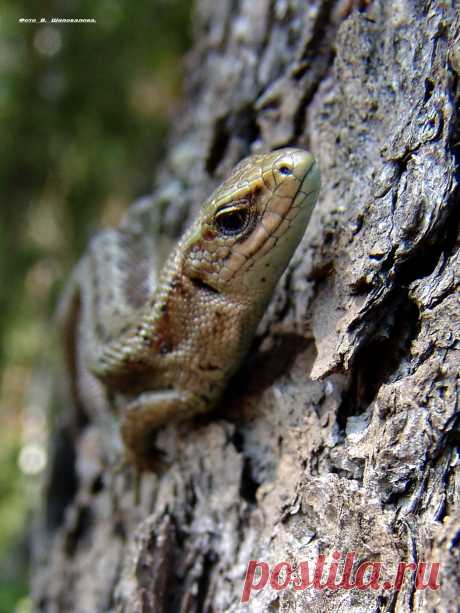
{"points": [[84, 109], [12, 518]]}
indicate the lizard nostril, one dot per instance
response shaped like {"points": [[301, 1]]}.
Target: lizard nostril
{"points": [[285, 170]]}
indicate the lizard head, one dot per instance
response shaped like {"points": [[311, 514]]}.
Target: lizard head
{"points": [[251, 225]]}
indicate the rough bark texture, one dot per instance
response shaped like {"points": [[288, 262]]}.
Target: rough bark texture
{"points": [[340, 432]]}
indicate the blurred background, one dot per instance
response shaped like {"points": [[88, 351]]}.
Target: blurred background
{"points": [[84, 111]]}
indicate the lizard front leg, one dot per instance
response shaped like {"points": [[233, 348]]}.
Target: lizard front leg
{"points": [[145, 414]]}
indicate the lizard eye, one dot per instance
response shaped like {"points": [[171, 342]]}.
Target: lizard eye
{"points": [[232, 221]]}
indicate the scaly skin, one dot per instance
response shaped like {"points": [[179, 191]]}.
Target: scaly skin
{"points": [[164, 351]]}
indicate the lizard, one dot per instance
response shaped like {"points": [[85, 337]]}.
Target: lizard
{"points": [[156, 348]]}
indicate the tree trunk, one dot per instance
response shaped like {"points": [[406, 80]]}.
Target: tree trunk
{"points": [[339, 433]]}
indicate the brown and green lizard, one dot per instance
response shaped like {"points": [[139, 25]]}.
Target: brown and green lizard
{"points": [[161, 349]]}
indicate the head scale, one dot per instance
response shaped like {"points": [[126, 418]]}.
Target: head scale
{"points": [[250, 226]]}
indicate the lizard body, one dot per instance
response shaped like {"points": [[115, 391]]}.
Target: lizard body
{"points": [[162, 348]]}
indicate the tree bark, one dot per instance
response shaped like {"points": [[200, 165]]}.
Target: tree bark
{"points": [[340, 431]]}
